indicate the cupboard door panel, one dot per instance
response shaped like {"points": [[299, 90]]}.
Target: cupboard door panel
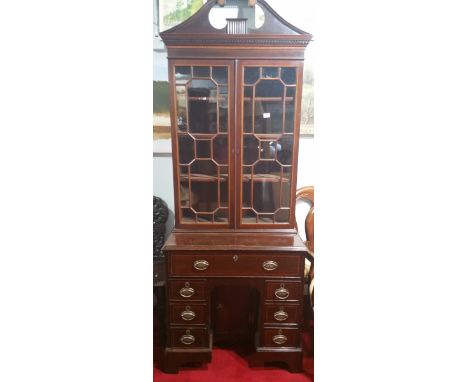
{"points": [[202, 93], [268, 142]]}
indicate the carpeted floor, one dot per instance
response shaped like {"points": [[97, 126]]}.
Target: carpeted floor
{"points": [[229, 366]]}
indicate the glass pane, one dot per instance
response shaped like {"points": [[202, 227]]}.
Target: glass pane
{"points": [[251, 75], [282, 216], [220, 74], [270, 72], [269, 88], [221, 216], [268, 152], [181, 96], [220, 149], [188, 215], [201, 71], [203, 148], [186, 150], [204, 196], [250, 149], [246, 193], [268, 117], [182, 74], [285, 149], [266, 196], [249, 216], [267, 149], [289, 117], [223, 113], [288, 75]]}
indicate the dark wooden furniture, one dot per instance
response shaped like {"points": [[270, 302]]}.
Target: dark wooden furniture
{"points": [[234, 262], [160, 215]]}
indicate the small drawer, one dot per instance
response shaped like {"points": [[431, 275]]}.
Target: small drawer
{"points": [[284, 291], [281, 337], [235, 264], [281, 314], [187, 290], [188, 314], [188, 338]]}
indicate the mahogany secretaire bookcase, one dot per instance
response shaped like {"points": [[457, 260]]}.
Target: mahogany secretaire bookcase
{"points": [[235, 264]]}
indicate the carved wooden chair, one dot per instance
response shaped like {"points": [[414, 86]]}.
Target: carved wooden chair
{"points": [[306, 194]]}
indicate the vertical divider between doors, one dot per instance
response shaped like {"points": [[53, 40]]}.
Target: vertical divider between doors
{"points": [[233, 146]]}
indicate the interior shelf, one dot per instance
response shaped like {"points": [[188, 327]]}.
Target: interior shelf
{"points": [[203, 178], [264, 178]]}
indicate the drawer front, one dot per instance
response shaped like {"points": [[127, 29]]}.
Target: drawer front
{"points": [[281, 314], [187, 290], [188, 314], [281, 337], [242, 264], [284, 291], [188, 338]]}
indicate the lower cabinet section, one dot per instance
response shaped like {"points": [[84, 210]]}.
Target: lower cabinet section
{"points": [[281, 337], [188, 338]]}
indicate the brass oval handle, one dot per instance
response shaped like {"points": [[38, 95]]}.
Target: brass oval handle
{"points": [[282, 293], [270, 265], [280, 315], [201, 265], [187, 314], [187, 292], [280, 339], [187, 339]]}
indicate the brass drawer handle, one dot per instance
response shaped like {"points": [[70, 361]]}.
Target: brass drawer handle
{"points": [[187, 314], [201, 265], [282, 293], [280, 339], [270, 265], [187, 339], [280, 315], [187, 292]]}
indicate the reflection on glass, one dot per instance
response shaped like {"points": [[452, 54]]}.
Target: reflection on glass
{"points": [[251, 75], [282, 216], [202, 107], [181, 108], [268, 117], [270, 72], [266, 196], [285, 149], [204, 196], [220, 74], [188, 216], [186, 151], [288, 75], [269, 88], [182, 74], [201, 71], [250, 149], [220, 152], [203, 148]]}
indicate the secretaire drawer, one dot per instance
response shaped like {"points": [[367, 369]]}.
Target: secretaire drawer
{"points": [[187, 290], [232, 264], [188, 314], [284, 290]]}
